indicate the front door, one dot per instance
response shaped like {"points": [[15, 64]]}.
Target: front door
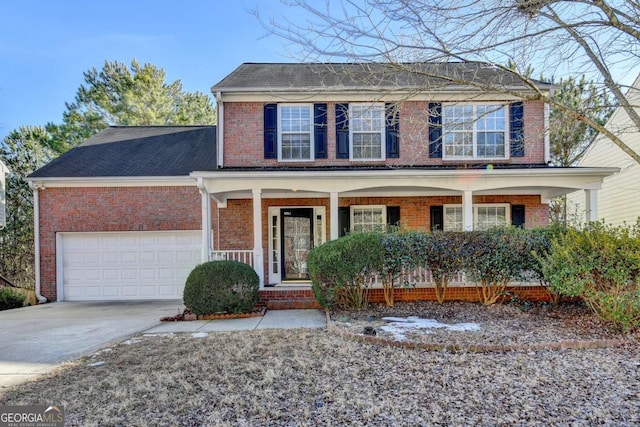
{"points": [[297, 241]]}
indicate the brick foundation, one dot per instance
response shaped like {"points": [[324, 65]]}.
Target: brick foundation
{"points": [[282, 298]]}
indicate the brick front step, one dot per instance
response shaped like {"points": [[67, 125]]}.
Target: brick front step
{"points": [[286, 299], [292, 304]]}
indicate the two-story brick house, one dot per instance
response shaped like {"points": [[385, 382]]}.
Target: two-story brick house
{"points": [[302, 154]]}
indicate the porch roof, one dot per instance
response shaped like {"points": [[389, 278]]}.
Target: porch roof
{"points": [[548, 182]]}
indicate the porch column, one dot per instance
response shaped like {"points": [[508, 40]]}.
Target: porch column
{"points": [[467, 210], [258, 256], [591, 205], [207, 240], [333, 214]]}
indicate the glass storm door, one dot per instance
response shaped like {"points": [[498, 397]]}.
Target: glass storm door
{"points": [[297, 241]]}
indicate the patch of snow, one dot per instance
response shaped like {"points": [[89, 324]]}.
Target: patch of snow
{"points": [[100, 363], [163, 334], [399, 326], [132, 341], [200, 335]]}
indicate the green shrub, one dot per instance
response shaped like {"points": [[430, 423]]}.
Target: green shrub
{"points": [[600, 264], [398, 258], [341, 270], [10, 298], [539, 242], [442, 253], [221, 286], [494, 258]]}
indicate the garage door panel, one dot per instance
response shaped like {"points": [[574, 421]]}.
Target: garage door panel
{"points": [[127, 265]]}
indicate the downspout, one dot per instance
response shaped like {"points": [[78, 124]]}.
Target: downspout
{"points": [[220, 142], [547, 135], [36, 233]]}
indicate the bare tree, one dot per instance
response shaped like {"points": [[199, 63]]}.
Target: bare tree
{"points": [[597, 38]]}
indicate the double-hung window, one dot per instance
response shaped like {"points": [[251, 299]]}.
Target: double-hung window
{"points": [[485, 216], [475, 131], [295, 132], [368, 218], [367, 131]]}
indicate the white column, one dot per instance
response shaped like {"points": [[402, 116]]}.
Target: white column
{"points": [[333, 213], [207, 240], [258, 253], [467, 211], [591, 205]]}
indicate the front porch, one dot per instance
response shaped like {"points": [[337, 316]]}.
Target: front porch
{"points": [[244, 214]]}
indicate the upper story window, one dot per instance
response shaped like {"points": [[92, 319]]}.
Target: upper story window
{"points": [[367, 131], [485, 216], [295, 132], [368, 218], [475, 131]]}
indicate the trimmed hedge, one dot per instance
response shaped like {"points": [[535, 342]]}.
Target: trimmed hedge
{"points": [[342, 270], [221, 286]]}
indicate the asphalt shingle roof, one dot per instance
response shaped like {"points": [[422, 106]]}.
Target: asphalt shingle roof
{"points": [[368, 76], [134, 151]]}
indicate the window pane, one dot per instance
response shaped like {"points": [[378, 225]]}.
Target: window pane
{"points": [[486, 122], [367, 219], [296, 146], [490, 216], [295, 132], [367, 146], [453, 218], [491, 144]]}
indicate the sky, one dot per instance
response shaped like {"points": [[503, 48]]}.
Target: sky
{"points": [[45, 46]]}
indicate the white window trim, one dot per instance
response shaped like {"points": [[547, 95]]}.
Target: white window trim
{"points": [[383, 145], [311, 134], [507, 142], [352, 208], [507, 212]]}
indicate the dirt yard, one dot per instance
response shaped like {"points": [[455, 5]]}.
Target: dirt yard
{"points": [[319, 377]]}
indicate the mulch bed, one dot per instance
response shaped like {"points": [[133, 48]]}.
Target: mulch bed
{"points": [[187, 315]]}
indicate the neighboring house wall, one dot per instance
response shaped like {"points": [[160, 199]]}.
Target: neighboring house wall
{"points": [[619, 197], [244, 137], [110, 209]]}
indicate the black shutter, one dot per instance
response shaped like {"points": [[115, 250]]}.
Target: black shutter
{"points": [[344, 220], [437, 217], [435, 130], [393, 215], [516, 129], [320, 130], [517, 216], [342, 131], [271, 131], [392, 118]]}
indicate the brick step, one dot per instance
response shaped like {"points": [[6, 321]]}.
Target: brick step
{"points": [[292, 304]]}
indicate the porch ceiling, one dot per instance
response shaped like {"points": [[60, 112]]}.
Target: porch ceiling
{"points": [[547, 182]]}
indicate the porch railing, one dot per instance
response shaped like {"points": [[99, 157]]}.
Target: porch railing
{"points": [[245, 256]]}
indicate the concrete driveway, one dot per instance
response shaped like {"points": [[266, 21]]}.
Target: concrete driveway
{"points": [[35, 339]]}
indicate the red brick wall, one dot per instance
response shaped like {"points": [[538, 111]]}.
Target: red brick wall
{"points": [[235, 229], [110, 209], [244, 138]]}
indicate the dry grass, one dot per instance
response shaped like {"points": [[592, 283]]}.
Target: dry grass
{"points": [[310, 377]]}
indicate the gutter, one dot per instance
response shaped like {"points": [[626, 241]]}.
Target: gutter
{"points": [[36, 234]]}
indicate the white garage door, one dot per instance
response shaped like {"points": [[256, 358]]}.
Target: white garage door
{"points": [[126, 265]]}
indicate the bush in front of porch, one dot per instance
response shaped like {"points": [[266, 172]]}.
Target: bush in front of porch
{"points": [[221, 287]]}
